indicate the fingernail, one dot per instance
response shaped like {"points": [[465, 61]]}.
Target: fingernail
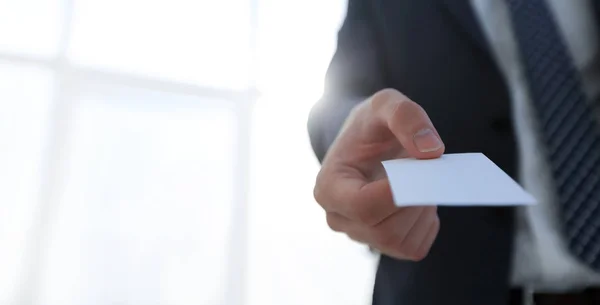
{"points": [[427, 141]]}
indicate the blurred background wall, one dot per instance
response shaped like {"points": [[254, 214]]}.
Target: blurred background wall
{"points": [[155, 152]]}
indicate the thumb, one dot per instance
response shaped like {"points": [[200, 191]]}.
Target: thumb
{"points": [[409, 123]]}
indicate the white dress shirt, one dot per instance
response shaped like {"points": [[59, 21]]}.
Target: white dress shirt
{"points": [[541, 259]]}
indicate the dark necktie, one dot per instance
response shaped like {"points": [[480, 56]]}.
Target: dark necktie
{"points": [[566, 123]]}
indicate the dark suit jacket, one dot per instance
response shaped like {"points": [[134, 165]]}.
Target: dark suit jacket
{"points": [[434, 52]]}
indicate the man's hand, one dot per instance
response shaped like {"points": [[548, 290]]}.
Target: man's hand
{"points": [[352, 186]]}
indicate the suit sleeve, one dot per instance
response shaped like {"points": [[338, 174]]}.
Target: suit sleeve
{"points": [[354, 74]]}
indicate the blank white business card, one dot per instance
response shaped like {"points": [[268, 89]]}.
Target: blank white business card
{"points": [[469, 179]]}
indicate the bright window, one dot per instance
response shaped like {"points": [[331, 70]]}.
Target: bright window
{"points": [[155, 152]]}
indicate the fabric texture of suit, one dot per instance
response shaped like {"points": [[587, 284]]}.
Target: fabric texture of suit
{"points": [[434, 52]]}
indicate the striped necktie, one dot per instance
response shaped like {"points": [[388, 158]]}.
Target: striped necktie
{"points": [[566, 122]]}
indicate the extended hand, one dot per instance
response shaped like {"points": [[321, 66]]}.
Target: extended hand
{"points": [[352, 186]]}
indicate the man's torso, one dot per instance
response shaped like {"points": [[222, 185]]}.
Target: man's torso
{"points": [[541, 260], [436, 52]]}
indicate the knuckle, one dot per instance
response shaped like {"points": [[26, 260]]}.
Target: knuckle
{"points": [[356, 109], [409, 253], [319, 190], [397, 108], [387, 94], [415, 254], [419, 255], [405, 108], [356, 238], [387, 97], [333, 223], [318, 193]]}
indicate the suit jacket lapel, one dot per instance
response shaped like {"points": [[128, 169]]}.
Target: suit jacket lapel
{"points": [[462, 12]]}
